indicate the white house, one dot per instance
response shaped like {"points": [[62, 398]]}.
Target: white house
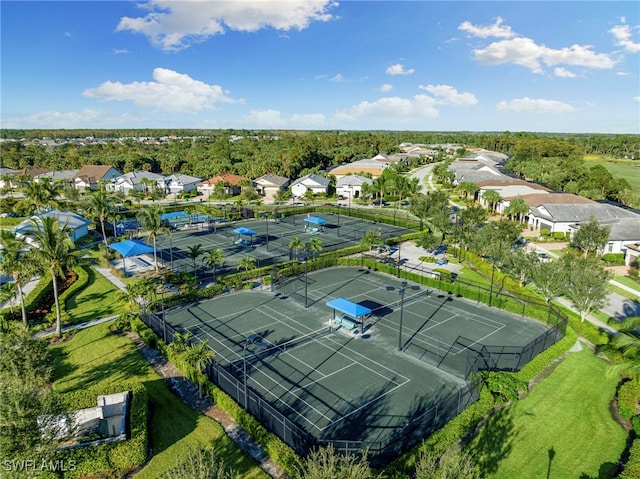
{"points": [[351, 186], [231, 182], [78, 226], [270, 184], [373, 166], [90, 176], [508, 189], [311, 182], [137, 180], [178, 182]]}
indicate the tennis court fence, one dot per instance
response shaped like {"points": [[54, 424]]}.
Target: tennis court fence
{"points": [[419, 423]]}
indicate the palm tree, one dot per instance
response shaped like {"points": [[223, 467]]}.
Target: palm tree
{"points": [[100, 209], [17, 264], [628, 343], [517, 209], [247, 264], [150, 220], [56, 252], [214, 258], [296, 245], [194, 251], [492, 197], [129, 298], [314, 246], [198, 356]]}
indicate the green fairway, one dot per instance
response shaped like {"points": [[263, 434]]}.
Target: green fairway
{"points": [[562, 429], [95, 356]]}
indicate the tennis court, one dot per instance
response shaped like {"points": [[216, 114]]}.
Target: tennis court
{"points": [[339, 384], [269, 245]]}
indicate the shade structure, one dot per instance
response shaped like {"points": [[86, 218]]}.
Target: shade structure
{"points": [[349, 308], [244, 231], [131, 248], [314, 220]]}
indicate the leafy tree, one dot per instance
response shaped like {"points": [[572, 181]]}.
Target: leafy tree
{"points": [[586, 283], [590, 237], [56, 252], [29, 409], [521, 264], [548, 278], [428, 240], [149, 218], [18, 264], [214, 258], [326, 462]]}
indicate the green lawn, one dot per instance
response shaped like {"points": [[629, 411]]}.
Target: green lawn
{"points": [[95, 356], [97, 300], [562, 429]]}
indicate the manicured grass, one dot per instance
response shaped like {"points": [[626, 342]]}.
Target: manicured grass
{"points": [[96, 356], [97, 300], [562, 429], [631, 283]]}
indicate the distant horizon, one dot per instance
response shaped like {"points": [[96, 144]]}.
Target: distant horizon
{"points": [[322, 65]]}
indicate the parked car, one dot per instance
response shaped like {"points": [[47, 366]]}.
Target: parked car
{"points": [[380, 202]]}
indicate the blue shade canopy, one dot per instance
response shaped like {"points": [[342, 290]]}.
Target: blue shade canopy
{"points": [[244, 231], [349, 308], [315, 220], [131, 248], [171, 216]]}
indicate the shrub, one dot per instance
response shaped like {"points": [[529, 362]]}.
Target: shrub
{"points": [[559, 235], [504, 386], [613, 258], [545, 232], [628, 396], [632, 467]]}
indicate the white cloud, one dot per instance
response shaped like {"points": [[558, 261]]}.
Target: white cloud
{"points": [[338, 78], [636, 98], [622, 34], [622, 74], [174, 25], [391, 108], [533, 105], [120, 51], [385, 87], [527, 53], [563, 73], [47, 119], [171, 91], [398, 69], [495, 30], [273, 119], [448, 95]]}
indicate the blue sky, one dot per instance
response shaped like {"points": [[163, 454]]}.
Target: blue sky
{"points": [[319, 64]]}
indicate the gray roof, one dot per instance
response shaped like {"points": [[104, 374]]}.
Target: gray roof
{"points": [[65, 175], [353, 180], [320, 180], [626, 229], [579, 213], [184, 179], [275, 180]]}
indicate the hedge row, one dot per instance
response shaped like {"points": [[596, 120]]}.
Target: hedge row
{"points": [[632, 467], [32, 299], [108, 459], [628, 395]]}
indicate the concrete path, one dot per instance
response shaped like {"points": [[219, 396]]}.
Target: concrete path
{"points": [[107, 273]]}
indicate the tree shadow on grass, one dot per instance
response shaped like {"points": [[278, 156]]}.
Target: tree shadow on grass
{"points": [[494, 442]]}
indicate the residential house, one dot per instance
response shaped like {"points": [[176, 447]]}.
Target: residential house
{"points": [[90, 176], [508, 189], [177, 183], [270, 184], [62, 176], [231, 181], [315, 183], [373, 166], [78, 226], [351, 186], [14, 178], [473, 170], [139, 181]]}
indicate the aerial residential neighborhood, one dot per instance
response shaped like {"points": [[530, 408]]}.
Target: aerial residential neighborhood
{"points": [[318, 239]]}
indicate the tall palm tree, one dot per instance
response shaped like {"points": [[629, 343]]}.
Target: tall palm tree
{"points": [[214, 258], [55, 252], [314, 246], [16, 264], [198, 356], [247, 264], [194, 251], [296, 245], [149, 218], [100, 209]]}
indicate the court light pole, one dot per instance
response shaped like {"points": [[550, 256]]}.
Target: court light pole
{"points": [[401, 291], [266, 222], [250, 340]]}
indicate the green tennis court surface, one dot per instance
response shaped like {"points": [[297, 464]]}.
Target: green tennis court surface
{"points": [[341, 385], [269, 245]]}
